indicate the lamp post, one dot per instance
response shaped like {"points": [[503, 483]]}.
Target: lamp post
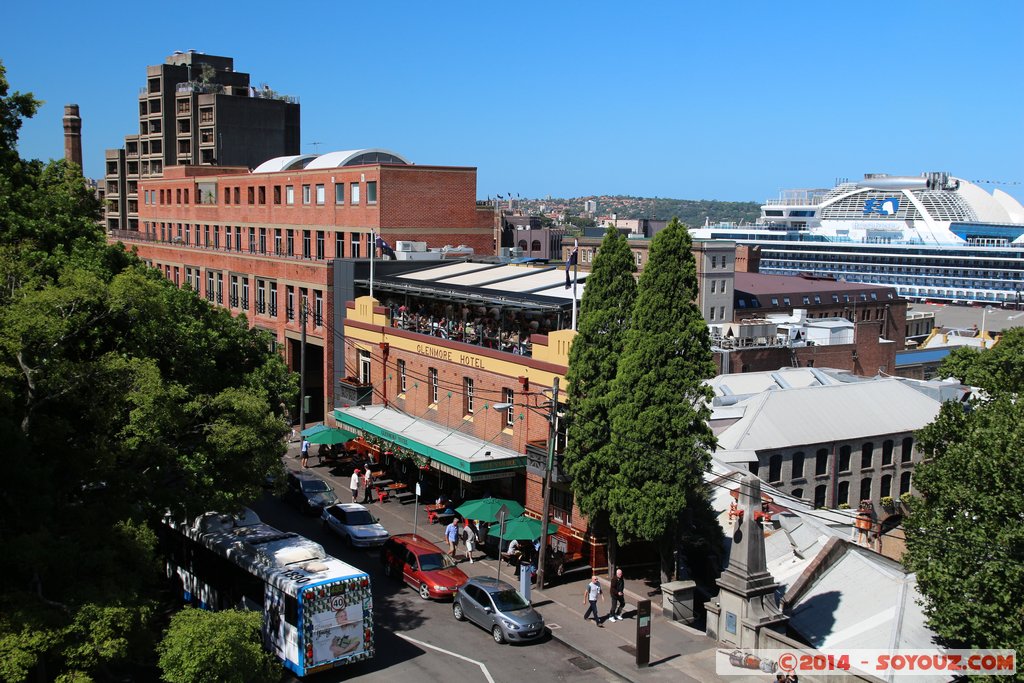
{"points": [[546, 508], [984, 315]]}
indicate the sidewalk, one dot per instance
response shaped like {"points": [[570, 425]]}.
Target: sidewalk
{"points": [[678, 654]]}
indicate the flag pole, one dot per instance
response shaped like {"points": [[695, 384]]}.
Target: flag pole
{"points": [[575, 274], [373, 248]]}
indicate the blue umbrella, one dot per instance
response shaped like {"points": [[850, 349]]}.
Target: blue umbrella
{"points": [[315, 429]]}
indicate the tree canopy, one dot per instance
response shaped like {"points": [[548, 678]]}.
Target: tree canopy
{"points": [[965, 529], [216, 647], [121, 397], [660, 405]]}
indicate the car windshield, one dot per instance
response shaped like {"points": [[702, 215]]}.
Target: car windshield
{"points": [[434, 561], [315, 486], [509, 600], [358, 517]]}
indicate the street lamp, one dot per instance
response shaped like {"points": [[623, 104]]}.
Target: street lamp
{"points": [[984, 314], [546, 508]]}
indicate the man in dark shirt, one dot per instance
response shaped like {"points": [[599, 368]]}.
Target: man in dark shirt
{"points": [[618, 598]]}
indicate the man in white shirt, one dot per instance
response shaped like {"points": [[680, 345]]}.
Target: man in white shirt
{"points": [[353, 485]]}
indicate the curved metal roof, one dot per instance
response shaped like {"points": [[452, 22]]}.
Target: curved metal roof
{"points": [[288, 163], [356, 157]]}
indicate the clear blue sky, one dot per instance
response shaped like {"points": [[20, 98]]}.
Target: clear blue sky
{"points": [[719, 100]]}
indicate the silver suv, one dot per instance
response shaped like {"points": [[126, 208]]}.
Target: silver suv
{"points": [[498, 607]]}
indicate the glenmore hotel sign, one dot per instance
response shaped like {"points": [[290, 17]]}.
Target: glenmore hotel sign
{"points": [[440, 353]]}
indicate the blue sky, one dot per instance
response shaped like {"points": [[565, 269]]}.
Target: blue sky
{"points": [[722, 100]]}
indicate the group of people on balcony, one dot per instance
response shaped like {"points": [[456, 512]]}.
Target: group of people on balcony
{"points": [[473, 325]]}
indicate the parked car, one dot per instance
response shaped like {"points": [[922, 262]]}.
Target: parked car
{"points": [[307, 493], [422, 565], [499, 608], [354, 523]]}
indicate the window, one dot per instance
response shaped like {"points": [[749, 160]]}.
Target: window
{"points": [[233, 294], [401, 376], [320, 244], [339, 245], [353, 193], [250, 195], [905, 483], [339, 193], [887, 452], [722, 286], [844, 459], [227, 237], [289, 302], [252, 240], [263, 240], [844, 493], [819, 496], [206, 235], [306, 195], [318, 308], [291, 242], [209, 285], [865, 488], [263, 196], [306, 244], [713, 282], [867, 454], [371, 192], [238, 238], [353, 251], [775, 468], [785, 301], [277, 241], [245, 294], [775, 301], [467, 395], [508, 396], [220, 288], [907, 453], [432, 379], [273, 300], [711, 315], [798, 493], [238, 195], [798, 465], [886, 488], [365, 364], [261, 297], [320, 194], [714, 261], [821, 461], [289, 194]]}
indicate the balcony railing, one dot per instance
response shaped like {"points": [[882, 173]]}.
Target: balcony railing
{"points": [[354, 393], [537, 461]]}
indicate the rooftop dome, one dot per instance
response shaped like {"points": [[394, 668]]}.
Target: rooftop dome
{"points": [[357, 157], [290, 163]]}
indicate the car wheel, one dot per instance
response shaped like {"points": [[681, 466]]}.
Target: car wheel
{"points": [[457, 612], [498, 636], [424, 592], [387, 569]]}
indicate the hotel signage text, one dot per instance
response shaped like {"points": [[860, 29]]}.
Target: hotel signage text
{"points": [[441, 353]]}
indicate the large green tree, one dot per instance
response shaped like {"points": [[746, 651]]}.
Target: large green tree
{"points": [[660, 404], [121, 397], [965, 528], [605, 312], [216, 647]]}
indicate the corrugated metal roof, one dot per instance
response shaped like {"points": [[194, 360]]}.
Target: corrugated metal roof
{"points": [[445, 271], [814, 415]]}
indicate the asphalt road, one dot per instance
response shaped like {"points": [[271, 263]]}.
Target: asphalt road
{"points": [[418, 640]]}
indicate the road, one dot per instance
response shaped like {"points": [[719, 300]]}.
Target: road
{"points": [[418, 640]]}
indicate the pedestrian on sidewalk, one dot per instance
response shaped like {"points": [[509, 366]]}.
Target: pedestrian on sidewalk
{"points": [[304, 451], [618, 596], [451, 534], [367, 485], [591, 594], [353, 485], [469, 538]]}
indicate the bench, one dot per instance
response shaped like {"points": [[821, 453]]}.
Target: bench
{"points": [[438, 516], [404, 497]]}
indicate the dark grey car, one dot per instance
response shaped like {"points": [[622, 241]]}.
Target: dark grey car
{"points": [[498, 607]]}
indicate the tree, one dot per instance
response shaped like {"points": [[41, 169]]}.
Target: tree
{"points": [[216, 647], [660, 405], [965, 537], [605, 312]]}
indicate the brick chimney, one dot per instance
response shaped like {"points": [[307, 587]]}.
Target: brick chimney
{"points": [[72, 134]]}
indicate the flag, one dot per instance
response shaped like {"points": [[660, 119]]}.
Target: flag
{"points": [[571, 262], [385, 248]]}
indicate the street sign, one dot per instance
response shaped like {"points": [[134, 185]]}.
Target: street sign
{"points": [[418, 493], [643, 633]]}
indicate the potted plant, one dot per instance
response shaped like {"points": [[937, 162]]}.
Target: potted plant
{"points": [[888, 503]]}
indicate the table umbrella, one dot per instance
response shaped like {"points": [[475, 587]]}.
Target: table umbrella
{"points": [[486, 509], [315, 429], [522, 528], [331, 436]]}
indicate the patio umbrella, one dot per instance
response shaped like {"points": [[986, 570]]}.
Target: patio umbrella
{"points": [[315, 429], [486, 509], [522, 528], [331, 436]]}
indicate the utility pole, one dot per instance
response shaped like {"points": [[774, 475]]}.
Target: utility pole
{"points": [[302, 366], [546, 509]]}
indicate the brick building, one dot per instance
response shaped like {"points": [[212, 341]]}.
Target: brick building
{"points": [[298, 229]]}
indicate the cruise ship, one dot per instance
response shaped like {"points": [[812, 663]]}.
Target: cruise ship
{"points": [[933, 237]]}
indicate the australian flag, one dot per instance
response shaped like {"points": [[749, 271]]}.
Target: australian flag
{"points": [[385, 248], [570, 263]]}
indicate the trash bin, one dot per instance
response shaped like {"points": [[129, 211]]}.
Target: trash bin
{"points": [[677, 601], [525, 579]]}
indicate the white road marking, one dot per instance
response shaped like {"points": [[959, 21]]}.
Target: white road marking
{"points": [[483, 668]]}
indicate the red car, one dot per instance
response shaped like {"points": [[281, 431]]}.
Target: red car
{"points": [[422, 565]]}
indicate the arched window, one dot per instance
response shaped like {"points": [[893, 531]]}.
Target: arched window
{"points": [[867, 454], [844, 493], [905, 483], [819, 496], [887, 452], [821, 461], [522, 244], [798, 465], [886, 488], [908, 449], [865, 488], [844, 458], [798, 493], [535, 246], [775, 468]]}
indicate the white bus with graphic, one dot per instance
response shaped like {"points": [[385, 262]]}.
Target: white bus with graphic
{"points": [[317, 610]]}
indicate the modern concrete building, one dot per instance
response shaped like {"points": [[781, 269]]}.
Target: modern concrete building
{"points": [[195, 109]]}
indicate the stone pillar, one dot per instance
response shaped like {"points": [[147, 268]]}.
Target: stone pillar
{"points": [[746, 599], [72, 134]]}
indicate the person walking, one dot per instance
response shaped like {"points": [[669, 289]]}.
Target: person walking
{"points": [[591, 594], [353, 485], [469, 538], [451, 534], [367, 485], [304, 451], [618, 596]]}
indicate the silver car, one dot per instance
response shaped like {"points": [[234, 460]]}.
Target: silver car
{"points": [[354, 523], [498, 607]]}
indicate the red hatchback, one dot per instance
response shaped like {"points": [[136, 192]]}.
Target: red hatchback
{"points": [[422, 565]]}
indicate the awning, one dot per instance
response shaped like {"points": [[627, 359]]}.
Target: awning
{"points": [[460, 455]]}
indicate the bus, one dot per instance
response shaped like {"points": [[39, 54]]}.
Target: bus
{"points": [[317, 610]]}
